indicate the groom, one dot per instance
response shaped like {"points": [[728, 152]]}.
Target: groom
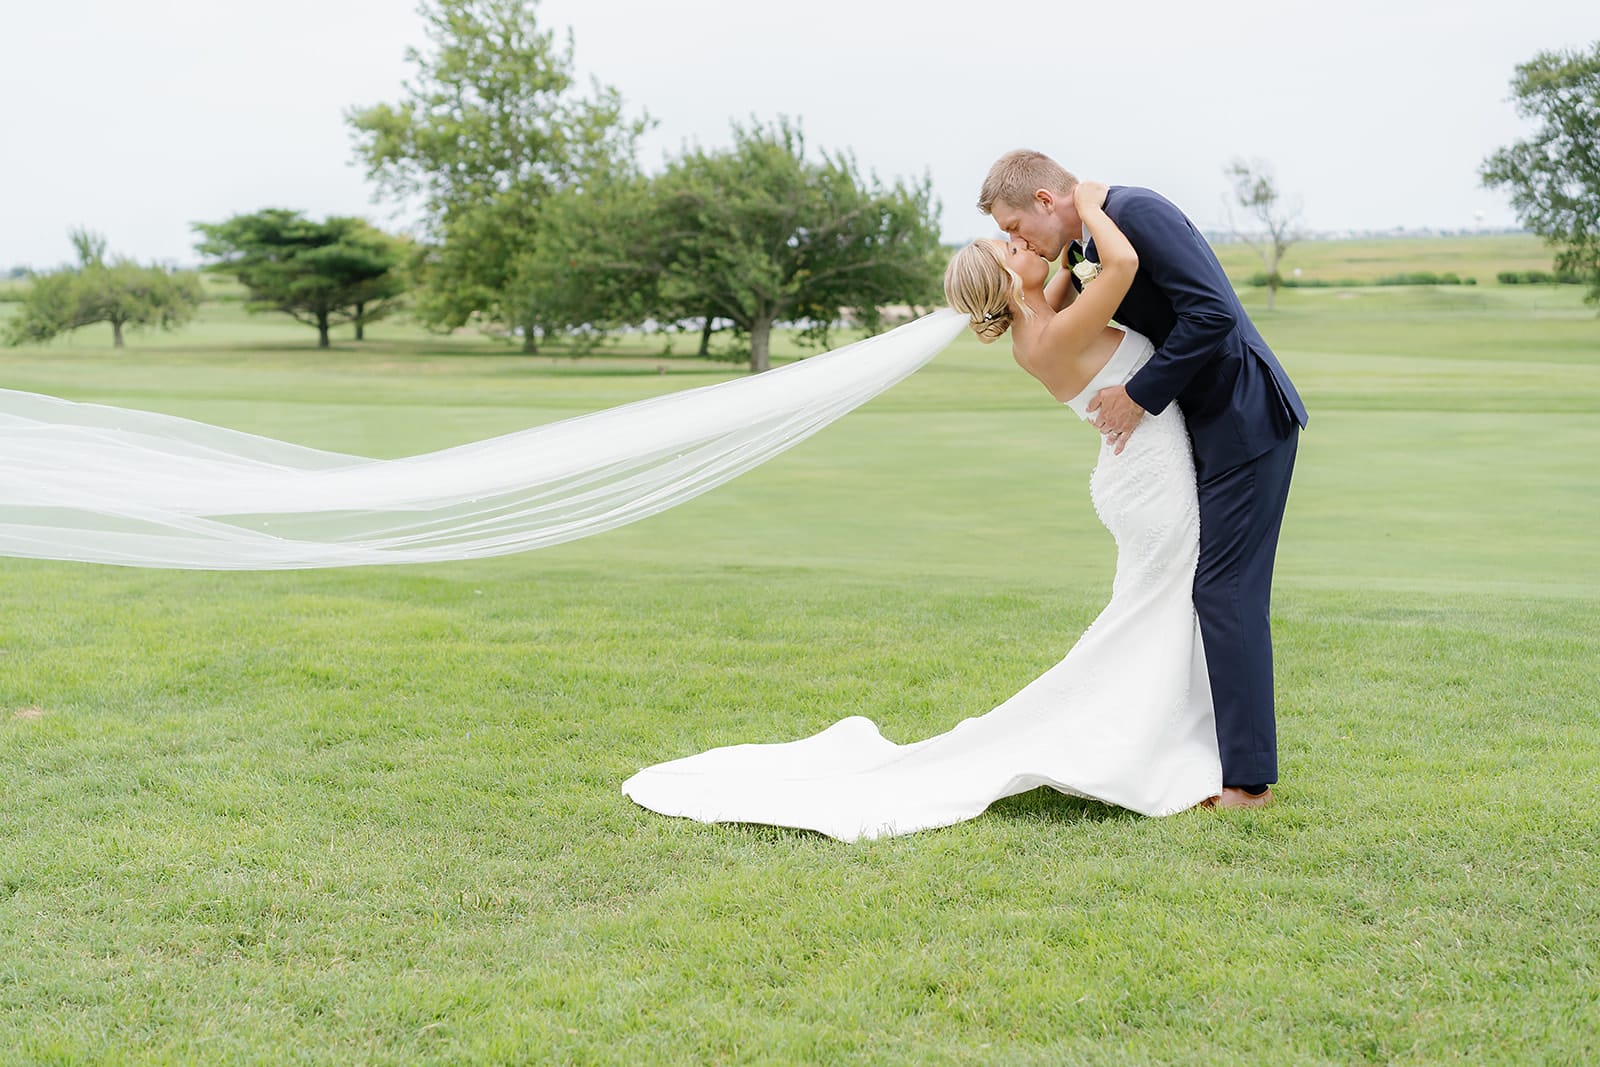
{"points": [[1244, 419]]}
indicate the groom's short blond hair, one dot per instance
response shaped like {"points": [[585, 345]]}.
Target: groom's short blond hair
{"points": [[1016, 176]]}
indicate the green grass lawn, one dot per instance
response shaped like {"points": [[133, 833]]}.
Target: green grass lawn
{"points": [[373, 815]]}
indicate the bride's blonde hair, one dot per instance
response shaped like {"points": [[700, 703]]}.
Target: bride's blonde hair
{"points": [[978, 284]]}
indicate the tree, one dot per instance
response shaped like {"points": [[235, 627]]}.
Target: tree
{"points": [[320, 273], [120, 292], [586, 273], [489, 128], [759, 234], [1554, 176], [1255, 190]]}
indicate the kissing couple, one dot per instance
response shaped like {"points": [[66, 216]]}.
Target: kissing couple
{"points": [[1166, 701]]}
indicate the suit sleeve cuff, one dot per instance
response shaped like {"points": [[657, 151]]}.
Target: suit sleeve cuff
{"points": [[1136, 392]]}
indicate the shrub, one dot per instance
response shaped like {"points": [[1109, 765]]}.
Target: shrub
{"points": [[1259, 280], [1425, 277], [1538, 277]]}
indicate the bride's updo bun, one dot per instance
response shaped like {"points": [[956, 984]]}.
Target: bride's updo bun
{"points": [[991, 329], [978, 284]]}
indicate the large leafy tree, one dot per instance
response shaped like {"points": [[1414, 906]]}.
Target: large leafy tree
{"points": [[1554, 176], [489, 128], [321, 273], [759, 234], [119, 292]]}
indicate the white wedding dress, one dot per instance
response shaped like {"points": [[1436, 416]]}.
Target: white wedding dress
{"points": [[1125, 718]]}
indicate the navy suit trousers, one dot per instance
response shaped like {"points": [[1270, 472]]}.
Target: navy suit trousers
{"points": [[1241, 513]]}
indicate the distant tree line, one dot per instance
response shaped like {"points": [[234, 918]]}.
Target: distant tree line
{"points": [[100, 290], [539, 221], [1260, 279], [342, 270], [1540, 277]]}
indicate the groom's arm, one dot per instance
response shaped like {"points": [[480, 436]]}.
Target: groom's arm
{"points": [[1177, 259]]}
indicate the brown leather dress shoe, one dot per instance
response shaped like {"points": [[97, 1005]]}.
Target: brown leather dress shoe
{"points": [[1233, 797]]}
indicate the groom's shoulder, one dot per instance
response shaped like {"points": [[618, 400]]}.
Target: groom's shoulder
{"points": [[1139, 199]]}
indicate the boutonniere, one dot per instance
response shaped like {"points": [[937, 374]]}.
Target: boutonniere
{"points": [[1086, 270]]}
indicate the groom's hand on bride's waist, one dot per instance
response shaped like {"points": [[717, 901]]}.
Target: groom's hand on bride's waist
{"points": [[1115, 415]]}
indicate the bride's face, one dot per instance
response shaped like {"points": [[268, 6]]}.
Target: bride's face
{"points": [[1031, 268]]}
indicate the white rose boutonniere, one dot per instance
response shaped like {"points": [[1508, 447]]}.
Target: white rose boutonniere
{"points": [[1086, 270]]}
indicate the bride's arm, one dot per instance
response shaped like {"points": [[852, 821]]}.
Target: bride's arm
{"points": [[1067, 337], [1058, 291]]}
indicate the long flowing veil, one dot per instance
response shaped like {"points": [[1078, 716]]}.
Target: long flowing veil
{"points": [[101, 484]]}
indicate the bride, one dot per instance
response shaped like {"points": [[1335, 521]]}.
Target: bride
{"points": [[1124, 718]]}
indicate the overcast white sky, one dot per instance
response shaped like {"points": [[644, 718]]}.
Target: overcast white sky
{"points": [[138, 117]]}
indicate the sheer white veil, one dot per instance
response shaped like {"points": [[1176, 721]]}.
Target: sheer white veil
{"points": [[101, 484]]}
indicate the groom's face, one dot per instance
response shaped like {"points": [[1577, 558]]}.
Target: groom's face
{"points": [[1038, 225]]}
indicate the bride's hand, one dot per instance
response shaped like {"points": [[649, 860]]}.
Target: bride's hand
{"points": [[1089, 195]]}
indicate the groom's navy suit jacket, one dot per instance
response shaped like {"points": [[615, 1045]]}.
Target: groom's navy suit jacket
{"points": [[1235, 396]]}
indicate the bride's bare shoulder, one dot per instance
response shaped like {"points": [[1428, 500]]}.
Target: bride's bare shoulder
{"points": [[1023, 354], [1059, 383]]}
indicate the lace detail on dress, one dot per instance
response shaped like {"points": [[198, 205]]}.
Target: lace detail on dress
{"points": [[1145, 496]]}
